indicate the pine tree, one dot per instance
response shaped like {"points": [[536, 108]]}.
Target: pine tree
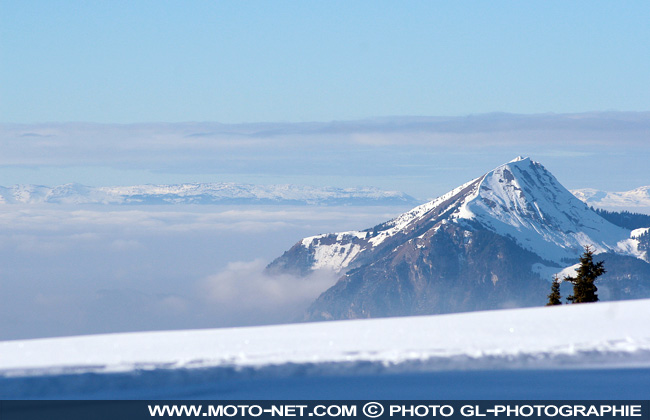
{"points": [[554, 298], [584, 289]]}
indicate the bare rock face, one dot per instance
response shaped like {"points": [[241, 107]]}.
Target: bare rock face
{"points": [[491, 243], [458, 271]]}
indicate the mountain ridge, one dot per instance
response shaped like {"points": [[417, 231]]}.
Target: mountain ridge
{"points": [[487, 244]]}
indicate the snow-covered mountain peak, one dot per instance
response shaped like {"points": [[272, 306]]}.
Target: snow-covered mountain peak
{"points": [[493, 242], [518, 159], [521, 199], [515, 191]]}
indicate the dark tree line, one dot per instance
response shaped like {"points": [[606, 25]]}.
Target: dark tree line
{"points": [[584, 287], [624, 219]]}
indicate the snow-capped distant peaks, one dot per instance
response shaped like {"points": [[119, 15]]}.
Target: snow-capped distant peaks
{"points": [[209, 193], [636, 200]]}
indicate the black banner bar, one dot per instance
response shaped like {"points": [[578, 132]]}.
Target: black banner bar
{"points": [[326, 409]]}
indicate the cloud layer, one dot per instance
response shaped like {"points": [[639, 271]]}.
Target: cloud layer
{"points": [[422, 156], [244, 292], [68, 143], [72, 271]]}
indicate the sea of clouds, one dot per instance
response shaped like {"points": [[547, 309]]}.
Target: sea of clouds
{"points": [[69, 270]]}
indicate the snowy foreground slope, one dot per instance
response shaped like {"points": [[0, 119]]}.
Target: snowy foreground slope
{"points": [[611, 335]]}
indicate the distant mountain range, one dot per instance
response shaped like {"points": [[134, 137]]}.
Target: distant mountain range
{"points": [[633, 200], [494, 242], [207, 193], [287, 194]]}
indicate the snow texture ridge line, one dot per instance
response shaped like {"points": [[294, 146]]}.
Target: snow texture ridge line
{"points": [[599, 334]]}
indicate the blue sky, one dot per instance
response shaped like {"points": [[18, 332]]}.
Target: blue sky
{"points": [[170, 61], [126, 64]]}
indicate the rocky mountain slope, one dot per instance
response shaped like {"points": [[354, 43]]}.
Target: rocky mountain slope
{"points": [[493, 242]]}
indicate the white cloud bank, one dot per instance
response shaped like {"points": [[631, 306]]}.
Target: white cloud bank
{"points": [[244, 291], [68, 271], [67, 143]]}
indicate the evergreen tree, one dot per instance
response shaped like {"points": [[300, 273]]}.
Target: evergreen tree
{"points": [[554, 298], [584, 289]]}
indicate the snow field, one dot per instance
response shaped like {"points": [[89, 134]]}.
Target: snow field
{"points": [[587, 336]]}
